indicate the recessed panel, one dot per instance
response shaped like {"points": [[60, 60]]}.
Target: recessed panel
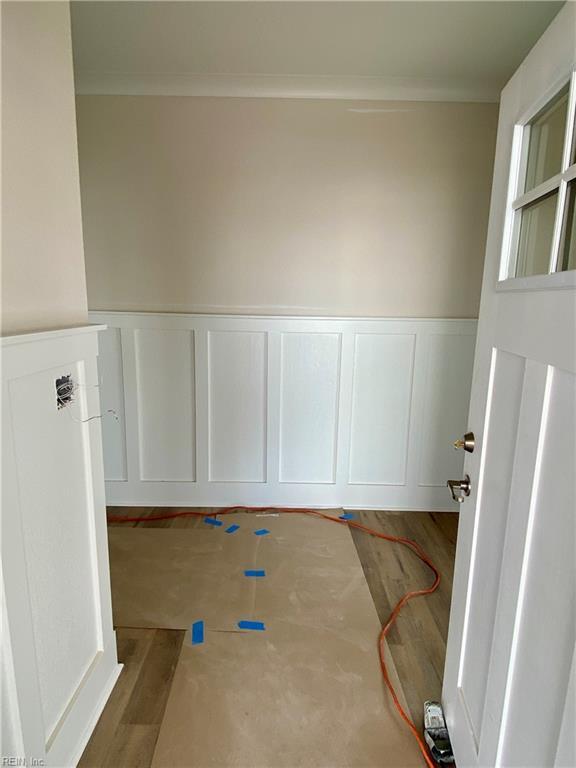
{"points": [[446, 402], [166, 409], [112, 398], [237, 415], [544, 650], [505, 397], [309, 390], [381, 408]]}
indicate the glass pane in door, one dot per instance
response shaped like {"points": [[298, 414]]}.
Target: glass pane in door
{"points": [[546, 141], [569, 234], [535, 240]]}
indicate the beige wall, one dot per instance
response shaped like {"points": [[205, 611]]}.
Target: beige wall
{"points": [[43, 278], [285, 206]]}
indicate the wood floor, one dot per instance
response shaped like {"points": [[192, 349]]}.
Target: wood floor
{"points": [[128, 728], [418, 639]]}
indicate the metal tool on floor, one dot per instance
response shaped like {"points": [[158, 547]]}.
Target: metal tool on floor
{"points": [[436, 733]]}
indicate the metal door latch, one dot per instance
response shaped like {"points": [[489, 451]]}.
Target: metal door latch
{"points": [[459, 488]]}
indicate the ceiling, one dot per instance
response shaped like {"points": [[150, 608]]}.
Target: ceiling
{"points": [[453, 50]]}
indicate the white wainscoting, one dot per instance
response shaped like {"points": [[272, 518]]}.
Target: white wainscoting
{"points": [[58, 646], [225, 409]]}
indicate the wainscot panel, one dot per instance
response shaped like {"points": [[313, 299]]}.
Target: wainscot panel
{"points": [[228, 409], [58, 644]]}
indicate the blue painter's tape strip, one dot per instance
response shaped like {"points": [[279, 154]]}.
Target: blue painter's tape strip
{"points": [[255, 625], [197, 632], [212, 521], [261, 532], [232, 528], [256, 574], [347, 516]]}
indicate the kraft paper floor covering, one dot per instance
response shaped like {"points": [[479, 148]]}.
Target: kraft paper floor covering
{"points": [[306, 692]]}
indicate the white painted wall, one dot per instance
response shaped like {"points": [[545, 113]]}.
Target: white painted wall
{"points": [[285, 206], [43, 277], [217, 410]]}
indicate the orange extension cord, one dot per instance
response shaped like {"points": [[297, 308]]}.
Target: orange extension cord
{"points": [[418, 551]]}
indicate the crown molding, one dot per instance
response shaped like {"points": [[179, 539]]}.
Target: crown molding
{"points": [[284, 86]]}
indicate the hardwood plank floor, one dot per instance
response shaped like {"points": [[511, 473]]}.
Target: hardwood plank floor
{"points": [[127, 731], [128, 728], [418, 640]]}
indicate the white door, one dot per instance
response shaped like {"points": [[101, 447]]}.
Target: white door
{"points": [[509, 688]]}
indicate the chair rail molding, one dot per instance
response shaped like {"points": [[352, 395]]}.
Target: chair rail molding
{"points": [[59, 661], [301, 411]]}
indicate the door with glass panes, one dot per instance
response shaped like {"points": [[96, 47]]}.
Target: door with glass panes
{"points": [[509, 684]]}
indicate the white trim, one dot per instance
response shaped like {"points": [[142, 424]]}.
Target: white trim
{"points": [[570, 173], [475, 529], [284, 86], [530, 112], [559, 218], [235, 314], [511, 230], [550, 282], [569, 132], [516, 180], [541, 190], [57, 333]]}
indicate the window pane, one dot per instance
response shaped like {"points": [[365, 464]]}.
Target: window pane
{"points": [[546, 141], [569, 234], [535, 241]]}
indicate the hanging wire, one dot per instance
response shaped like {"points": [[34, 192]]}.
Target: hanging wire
{"points": [[65, 396]]}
